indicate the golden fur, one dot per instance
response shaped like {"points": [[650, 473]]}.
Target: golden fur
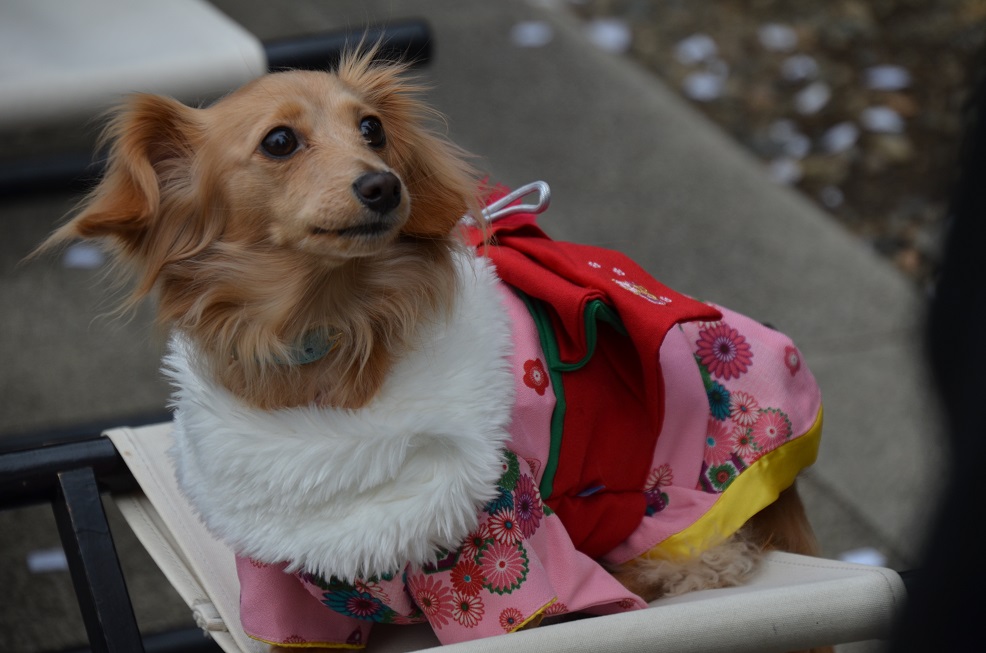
{"points": [[243, 251], [246, 252]]}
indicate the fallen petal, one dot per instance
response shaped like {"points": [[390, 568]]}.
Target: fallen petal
{"points": [[703, 86], [785, 170], [799, 67], [695, 49], [881, 119], [531, 34], [777, 37], [887, 78], [840, 137], [610, 34], [812, 98]]}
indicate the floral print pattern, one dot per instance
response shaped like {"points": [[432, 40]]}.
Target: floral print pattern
{"points": [[724, 351], [771, 430], [467, 578], [535, 377], [353, 603], [720, 476], [527, 505], [475, 542], [510, 619], [656, 498], [743, 408], [494, 580], [363, 600], [792, 359], [433, 598], [743, 443], [718, 442], [740, 430], [641, 291], [504, 527], [719, 400], [464, 587], [467, 610], [504, 565]]}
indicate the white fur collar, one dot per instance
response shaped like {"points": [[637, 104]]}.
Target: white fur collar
{"points": [[355, 493]]}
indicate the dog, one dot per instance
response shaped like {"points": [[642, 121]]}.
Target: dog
{"points": [[356, 380]]}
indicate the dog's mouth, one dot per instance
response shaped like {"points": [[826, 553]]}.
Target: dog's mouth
{"points": [[365, 229]]}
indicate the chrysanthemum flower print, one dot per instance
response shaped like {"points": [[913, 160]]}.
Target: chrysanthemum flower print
{"points": [[372, 588], [718, 442], [356, 604], [509, 471], [527, 505], [434, 599], [723, 351], [504, 500], [467, 610], [743, 408], [504, 566], [467, 578], [504, 527], [743, 443], [475, 542], [771, 430], [719, 399], [659, 477], [511, 619]]}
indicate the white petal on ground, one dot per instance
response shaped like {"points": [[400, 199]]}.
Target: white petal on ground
{"points": [[610, 34], [531, 34]]}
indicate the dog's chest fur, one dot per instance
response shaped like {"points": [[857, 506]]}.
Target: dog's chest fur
{"points": [[353, 492]]}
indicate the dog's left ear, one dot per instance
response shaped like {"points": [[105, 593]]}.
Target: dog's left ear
{"points": [[442, 185]]}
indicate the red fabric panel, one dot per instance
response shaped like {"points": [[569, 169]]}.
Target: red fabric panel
{"points": [[615, 402]]}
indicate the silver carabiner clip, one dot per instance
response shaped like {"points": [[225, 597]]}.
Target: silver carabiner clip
{"points": [[501, 208]]}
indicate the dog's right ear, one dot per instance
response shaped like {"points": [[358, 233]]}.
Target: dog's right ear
{"points": [[151, 140]]}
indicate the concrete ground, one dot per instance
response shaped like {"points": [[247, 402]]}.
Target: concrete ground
{"points": [[631, 167]]}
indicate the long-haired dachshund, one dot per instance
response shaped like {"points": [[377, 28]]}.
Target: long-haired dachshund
{"points": [[394, 415]]}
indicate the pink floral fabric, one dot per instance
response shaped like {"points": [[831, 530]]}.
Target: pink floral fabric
{"points": [[516, 567], [735, 391]]}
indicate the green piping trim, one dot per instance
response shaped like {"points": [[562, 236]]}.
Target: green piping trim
{"points": [[596, 311], [550, 348]]}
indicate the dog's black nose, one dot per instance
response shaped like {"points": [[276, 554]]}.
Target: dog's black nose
{"points": [[378, 191]]}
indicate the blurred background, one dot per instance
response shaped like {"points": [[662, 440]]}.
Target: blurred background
{"points": [[791, 160], [856, 103]]}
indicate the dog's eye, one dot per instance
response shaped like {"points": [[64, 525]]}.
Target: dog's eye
{"points": [[372, 131], [280, 142]]}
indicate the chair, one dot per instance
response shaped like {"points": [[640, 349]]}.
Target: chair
{"points": [[794, 601]]}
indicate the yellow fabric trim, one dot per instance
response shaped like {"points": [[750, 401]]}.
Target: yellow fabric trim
{"points": [[753, 490], [535, 618], [351, 647]]}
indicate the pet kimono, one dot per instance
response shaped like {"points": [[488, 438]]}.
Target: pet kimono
{"points": [[570, 412]]}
